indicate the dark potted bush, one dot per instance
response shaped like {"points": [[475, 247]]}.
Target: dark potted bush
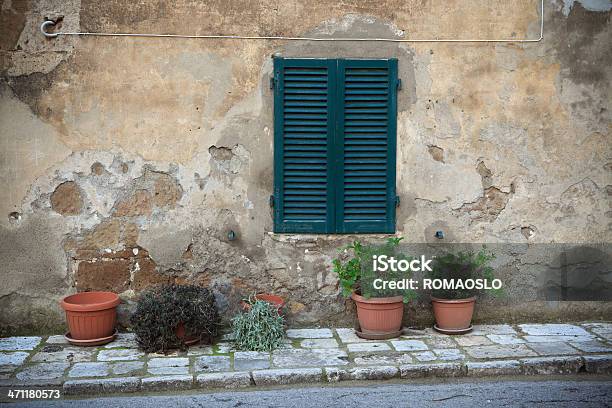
{"points": [[453, 307], [259, 328], [380, 312], [175, 316]]}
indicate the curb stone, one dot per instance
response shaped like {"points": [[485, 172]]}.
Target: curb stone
{"points": [[335, 374], [552, 365], [238, 379], [168, 382], [14, 382], [288, 376], [432, 370], [489, 368], [598, 364], [105, 385]]}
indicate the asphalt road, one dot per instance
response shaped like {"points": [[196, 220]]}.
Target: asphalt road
{"points": [[520, 393]]}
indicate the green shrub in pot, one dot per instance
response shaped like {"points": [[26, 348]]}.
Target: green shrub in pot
{"points": [[356, 274], [463, 265], [453, 307], [380, 310]]}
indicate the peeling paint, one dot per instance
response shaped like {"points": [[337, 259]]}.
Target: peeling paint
{"points": [[169, 144]]}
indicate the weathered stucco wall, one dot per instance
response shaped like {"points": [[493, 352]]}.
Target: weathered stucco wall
{"points": [[126, 161]]}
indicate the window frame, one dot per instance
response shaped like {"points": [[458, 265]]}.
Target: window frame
{"points": [[335, 222]]}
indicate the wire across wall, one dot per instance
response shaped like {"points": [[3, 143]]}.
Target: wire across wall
{"points": [[48, 24]]}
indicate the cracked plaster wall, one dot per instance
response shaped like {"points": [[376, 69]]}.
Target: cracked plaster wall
{"points": [[125, 162]]}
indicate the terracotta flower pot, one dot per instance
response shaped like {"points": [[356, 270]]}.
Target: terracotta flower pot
{"points": [[274, 300], [91, 315], [379, 316], [181, 333], [453, 315]]}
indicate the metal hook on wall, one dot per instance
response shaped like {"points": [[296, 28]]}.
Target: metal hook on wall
{"points": [[43, 29]]}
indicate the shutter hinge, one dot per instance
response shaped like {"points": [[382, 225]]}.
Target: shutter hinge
{"points": [[272, 82], [397, 201], [271, 202], [399, 84]]}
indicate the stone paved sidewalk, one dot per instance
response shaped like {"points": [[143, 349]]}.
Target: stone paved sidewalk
{"points": [[309, 355]]}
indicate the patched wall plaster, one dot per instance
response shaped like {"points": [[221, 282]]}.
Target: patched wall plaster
{"points": [[164, 146]]}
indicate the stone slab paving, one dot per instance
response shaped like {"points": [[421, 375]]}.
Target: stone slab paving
{"points": [[97, 369], [309, 333], [471, 340], [119, 355], [603, 330], [57, 353], [320, 343], [308, 356], [553, 330], [373, 346], [441, 342], [19, 343], [12, 359], [505, 339], [251, 360], [168, 366], [484, 329], [409, 345], [448, 354], [127, 367], [500, 351], [208, 364], [43, 371], [425, 356], [123, 340]]}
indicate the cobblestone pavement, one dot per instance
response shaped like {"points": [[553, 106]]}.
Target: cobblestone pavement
{"points": [[309, 356]]}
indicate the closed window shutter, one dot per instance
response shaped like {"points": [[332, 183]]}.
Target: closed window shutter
{"points": [[366, 149], [303, 136]]}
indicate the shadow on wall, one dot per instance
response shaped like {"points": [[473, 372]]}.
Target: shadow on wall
{"points": [[581, 273]]}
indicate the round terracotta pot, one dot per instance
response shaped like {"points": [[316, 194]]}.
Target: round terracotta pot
{"points": [[181, 333], [379, 315], [274, 300], [91, 315], [455, 314]]}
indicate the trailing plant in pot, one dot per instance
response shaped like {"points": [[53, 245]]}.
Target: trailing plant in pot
{"points": [[453, 306], [259, 328], [379, 310], [174, 316]]}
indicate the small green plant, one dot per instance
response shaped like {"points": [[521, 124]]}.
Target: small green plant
{"points": [[349, 272], [463, 266], [357, 275], [162, 309], [260, 328]]}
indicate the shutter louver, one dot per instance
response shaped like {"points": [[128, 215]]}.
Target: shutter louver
{"points": [[303, 132], [367, 127]]}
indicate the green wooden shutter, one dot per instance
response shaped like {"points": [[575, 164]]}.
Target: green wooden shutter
{"points": [[366, 147], [303, 137]]}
